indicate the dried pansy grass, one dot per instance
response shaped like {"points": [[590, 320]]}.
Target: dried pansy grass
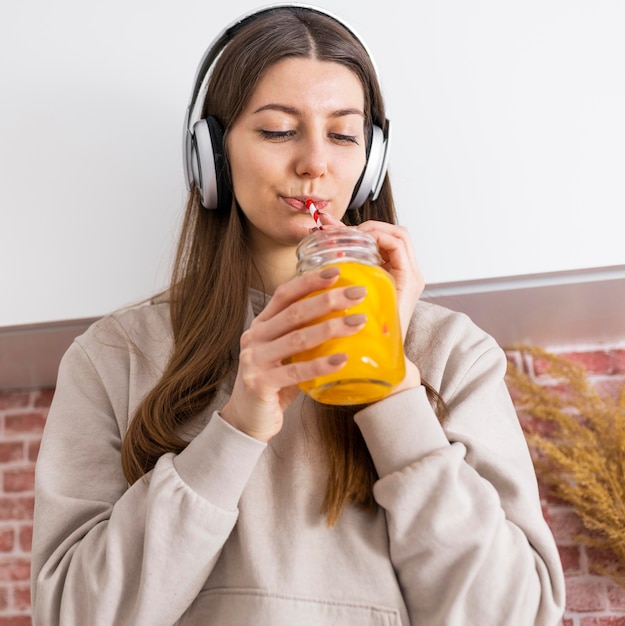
{"points": [[578, 446]]}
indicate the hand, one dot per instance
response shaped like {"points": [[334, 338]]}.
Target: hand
{"points": [[266, 381], [398, 260]]}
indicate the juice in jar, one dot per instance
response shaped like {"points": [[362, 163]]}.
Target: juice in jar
{"points": [[375, 353]]}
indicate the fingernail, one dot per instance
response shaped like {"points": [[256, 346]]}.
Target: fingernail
{"points": [[337, 359], [357, 319], [329, 272], [355, 292]]}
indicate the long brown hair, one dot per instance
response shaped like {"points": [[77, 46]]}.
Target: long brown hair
{"points": [[212, 271]]}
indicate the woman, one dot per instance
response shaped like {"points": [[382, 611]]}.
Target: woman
{"points": [[183, 479]]}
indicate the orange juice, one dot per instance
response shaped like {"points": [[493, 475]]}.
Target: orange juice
{"points": [[375, 353]]}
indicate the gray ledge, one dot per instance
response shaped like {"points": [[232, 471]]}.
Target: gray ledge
{"points": [[585, 307]]}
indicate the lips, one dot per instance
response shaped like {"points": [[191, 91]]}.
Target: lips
{"points": [[299, 202]]}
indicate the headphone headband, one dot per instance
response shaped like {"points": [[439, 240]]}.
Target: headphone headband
{"points": [[222, 39], [198, 139]]}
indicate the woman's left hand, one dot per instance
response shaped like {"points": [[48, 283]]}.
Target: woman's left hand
{"points": [[398, 259]]}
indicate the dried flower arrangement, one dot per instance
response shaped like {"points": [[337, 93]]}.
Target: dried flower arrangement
{"points": [[579, 452]]}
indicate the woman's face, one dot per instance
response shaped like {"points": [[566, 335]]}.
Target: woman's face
{"points": [[300, 137]]}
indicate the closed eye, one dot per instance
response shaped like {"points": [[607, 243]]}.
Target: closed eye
{"points": [[344, 138], [283, 135], [277, 135]]}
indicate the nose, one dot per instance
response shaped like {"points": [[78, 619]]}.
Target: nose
{"points": [[312, 158]]}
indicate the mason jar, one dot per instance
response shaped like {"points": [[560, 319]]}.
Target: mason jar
{"points": [[375, 354]]}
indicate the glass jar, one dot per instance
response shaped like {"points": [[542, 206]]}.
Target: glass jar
{"points": [[375, 362]]}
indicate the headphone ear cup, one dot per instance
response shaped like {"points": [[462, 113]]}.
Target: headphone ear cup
{"points": [[209, 164], [373, 174]]}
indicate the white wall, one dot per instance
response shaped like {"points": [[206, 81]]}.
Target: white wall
{"points": [[508, 155]]}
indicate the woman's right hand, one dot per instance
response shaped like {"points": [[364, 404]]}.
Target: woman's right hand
{"points": [[266, 381]]}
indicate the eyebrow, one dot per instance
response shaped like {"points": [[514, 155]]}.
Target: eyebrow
{"points": [[294, 111]]}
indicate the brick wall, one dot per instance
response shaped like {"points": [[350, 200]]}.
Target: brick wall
{"points": [[592, 600], [22, 417]]}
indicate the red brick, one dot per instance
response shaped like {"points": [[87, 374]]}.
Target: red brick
{"points": [[26, 537], [11, 451], [14, 399], [535, 426], [619, 361], [16, 508], [567, 394], [609, 387], [24, 423], [16, 620], [616, 597], [21, 597], [565, 524], [7, 539], [19, 479], [514, 394], [609, 620], [560, 390], [586, 595], [515, 358], [4, 598], [567, 622], [12, 569], [44, 398], [605, 362], [545, 496], [541, 367], [33, 450], [601, 560], [570, 556], [593, 361], [550, 498]]}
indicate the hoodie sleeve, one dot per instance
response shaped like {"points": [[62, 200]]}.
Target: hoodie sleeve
{"points": [[467, 535], [103, 552]]}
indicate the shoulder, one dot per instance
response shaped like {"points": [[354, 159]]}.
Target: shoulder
{"points": [[143, 328], [117, 359], [435, 326], [445, 344]]}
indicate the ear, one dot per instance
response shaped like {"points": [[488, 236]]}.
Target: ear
{"points": [[209, 164], [372, 177]]}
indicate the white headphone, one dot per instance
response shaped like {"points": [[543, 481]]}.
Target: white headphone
{"points": [[203, 154]]}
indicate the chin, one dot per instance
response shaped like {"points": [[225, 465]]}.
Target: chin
{"points": [[294, 235]]}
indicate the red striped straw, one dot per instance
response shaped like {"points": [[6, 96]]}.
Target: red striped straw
{"points": [[312, 209]]}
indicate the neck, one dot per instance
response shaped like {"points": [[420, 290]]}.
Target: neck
{"points": [[273, 268]]}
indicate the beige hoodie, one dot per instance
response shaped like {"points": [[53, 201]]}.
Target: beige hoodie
{"points": [[229, 532]]}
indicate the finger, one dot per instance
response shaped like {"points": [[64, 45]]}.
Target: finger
{"points": [[305, 311], [297, 288], [390, 237], [301, 371], [329, 221], [395, 230], [285, 377], [400, 261], [293, 373], [396, 253], [395, 245], [266, 355]]}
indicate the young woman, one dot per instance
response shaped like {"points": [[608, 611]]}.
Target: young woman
{"points": [[184, 479]]}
